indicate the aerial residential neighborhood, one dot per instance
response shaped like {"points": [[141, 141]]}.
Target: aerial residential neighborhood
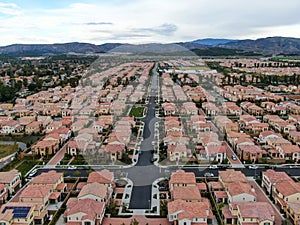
{"points": [[149, 112], [146, 141]]}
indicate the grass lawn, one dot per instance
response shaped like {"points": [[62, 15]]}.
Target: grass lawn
{"points": [[137, 112], [26, 165], [195, 68], [26, 139], [6, 150]]}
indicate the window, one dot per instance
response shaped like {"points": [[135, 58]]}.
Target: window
{"points": [[87, 223]]}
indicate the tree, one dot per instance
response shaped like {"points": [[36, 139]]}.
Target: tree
{"points": [[164, 208], [112, 208], [134, 222]]}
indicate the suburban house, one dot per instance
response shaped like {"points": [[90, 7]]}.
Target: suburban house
{"points": [[102, 177], [84, 211], [187, 213], [44, 148], [17, 213], [11, 180], [272, 177], [289, 152], [177, 152]]}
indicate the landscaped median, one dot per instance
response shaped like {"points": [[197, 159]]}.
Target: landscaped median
{"points": [[137, 112]]}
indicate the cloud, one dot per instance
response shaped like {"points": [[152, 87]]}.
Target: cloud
{"points": [[166, 29], [98, 23], [134, 21], [9, 9]]}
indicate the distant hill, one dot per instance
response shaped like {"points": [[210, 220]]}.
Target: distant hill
{"points": [[46, 49], [274, 45], [208, 46], [150, 48], [213, 41], [217, 51]]}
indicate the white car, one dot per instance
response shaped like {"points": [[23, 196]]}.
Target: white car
{"points": [[253, 167], [32, 173], [208, 174], [72, 167], [213, 167]]}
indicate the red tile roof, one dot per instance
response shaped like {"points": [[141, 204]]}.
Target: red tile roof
{"points": [[182, 177], [102, 177], [259, 210], [189, 210], [90, 208]]}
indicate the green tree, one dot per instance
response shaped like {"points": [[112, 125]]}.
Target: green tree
{"points": [[134, 222]]}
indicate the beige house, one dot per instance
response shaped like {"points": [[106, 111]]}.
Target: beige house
{"points": [[12, 180]]}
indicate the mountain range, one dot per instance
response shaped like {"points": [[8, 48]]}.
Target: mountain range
{"points": [[270, 45]]}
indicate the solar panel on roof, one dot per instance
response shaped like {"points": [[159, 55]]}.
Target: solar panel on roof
{"points": [[18, 211]]}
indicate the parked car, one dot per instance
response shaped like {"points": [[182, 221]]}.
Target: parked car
{"points": [[253, 167], [32, 173], [293, 166], [208, 174], [72, 167], [233, 157], [213, 167]]}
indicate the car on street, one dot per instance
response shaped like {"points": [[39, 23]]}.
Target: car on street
{"points": [[213, 167], [32, 173], [208, 174], [233, 157], [293, 166], [253, 167], [72, 167]]}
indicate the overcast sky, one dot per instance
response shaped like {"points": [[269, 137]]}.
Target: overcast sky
{"points": [[145, 21]]}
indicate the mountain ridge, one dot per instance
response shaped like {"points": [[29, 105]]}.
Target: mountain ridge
{"points": [[268, 45]]}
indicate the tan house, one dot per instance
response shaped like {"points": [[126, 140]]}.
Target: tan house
{"points": [[12, 181], [9, 213], [187, 213], [96, 191], [84, 211], [272, 177], [44, 148]]}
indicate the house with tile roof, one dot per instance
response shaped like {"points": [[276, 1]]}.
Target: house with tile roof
{"points": [[240, 192], [3, 193], [293, 212], [177, 152], [14, 213], [44, 147], [84, 212], [39, 196], [186, 193], [186, 213], [272, 177], [49, 178], [182, 178], [96, 191], [102, 177], [12, 180], [289, 152], [255, 213], [284, 192]]}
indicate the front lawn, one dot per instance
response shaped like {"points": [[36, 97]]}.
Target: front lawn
{"points": [[26, 165], [137, 111]]}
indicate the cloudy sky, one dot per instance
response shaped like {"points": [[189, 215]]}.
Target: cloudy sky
{"points": [[144, 21]]}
